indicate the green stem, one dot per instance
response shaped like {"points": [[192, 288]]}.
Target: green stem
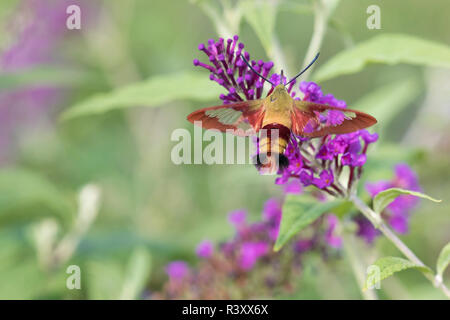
{"points": [[388, 233], [320, 27], [226, 21], [358, 267], [278, 57]]}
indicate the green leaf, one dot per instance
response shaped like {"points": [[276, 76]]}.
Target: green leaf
{"points": [[389, 49], [298, 213], [25, 195], [390, 265], [443, 260], [136, 274], [261, 17], [384, 198], [386, 102], [152, 92], [343, 208], [41, 76]]}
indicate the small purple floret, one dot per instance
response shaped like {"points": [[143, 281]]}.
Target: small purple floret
{"points": [[177, 270], [204, 249]]}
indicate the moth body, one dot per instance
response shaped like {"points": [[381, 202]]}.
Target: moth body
{"points": [[276, 131], [274, 118]]}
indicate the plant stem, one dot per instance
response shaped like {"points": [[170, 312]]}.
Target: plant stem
{"points": [[320, 27], [278, 57], [358, 267], [380, 225], [226, 22]]}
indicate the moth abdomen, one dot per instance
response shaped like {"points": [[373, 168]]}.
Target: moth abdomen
{"points": [[270, 163], [274, 138], [272, 144]]}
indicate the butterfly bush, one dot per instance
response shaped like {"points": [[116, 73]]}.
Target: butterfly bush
{"points": [[247, 261], [312, 162], [334, 163], [330, 166]]}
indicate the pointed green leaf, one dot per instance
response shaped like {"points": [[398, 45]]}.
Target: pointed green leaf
{"points": [[298, 213], [443, 260], [42, 76], [384, 198], [152, 92], [388, 49], [390, 265], [343, 208]]}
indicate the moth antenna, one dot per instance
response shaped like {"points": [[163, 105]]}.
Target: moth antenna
{"points": [[249, 65], [306, 68]]}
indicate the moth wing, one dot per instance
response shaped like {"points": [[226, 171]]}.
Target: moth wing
{"points": [[243, 118], [307, 122]]}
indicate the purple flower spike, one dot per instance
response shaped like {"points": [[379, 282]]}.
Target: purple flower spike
{"points": [[229, 70]]}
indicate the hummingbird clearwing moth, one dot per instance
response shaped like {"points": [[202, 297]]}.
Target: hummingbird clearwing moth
{"points": [[280, 112]]}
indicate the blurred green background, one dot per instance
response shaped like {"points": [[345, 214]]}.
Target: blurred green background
{"points": [[150, 210]]}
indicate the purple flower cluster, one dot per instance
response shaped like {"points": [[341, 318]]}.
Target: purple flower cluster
{"points": [[320, 162], [397, 212], [227, 68], [317, 162], [253, 241], [248, 258]]}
